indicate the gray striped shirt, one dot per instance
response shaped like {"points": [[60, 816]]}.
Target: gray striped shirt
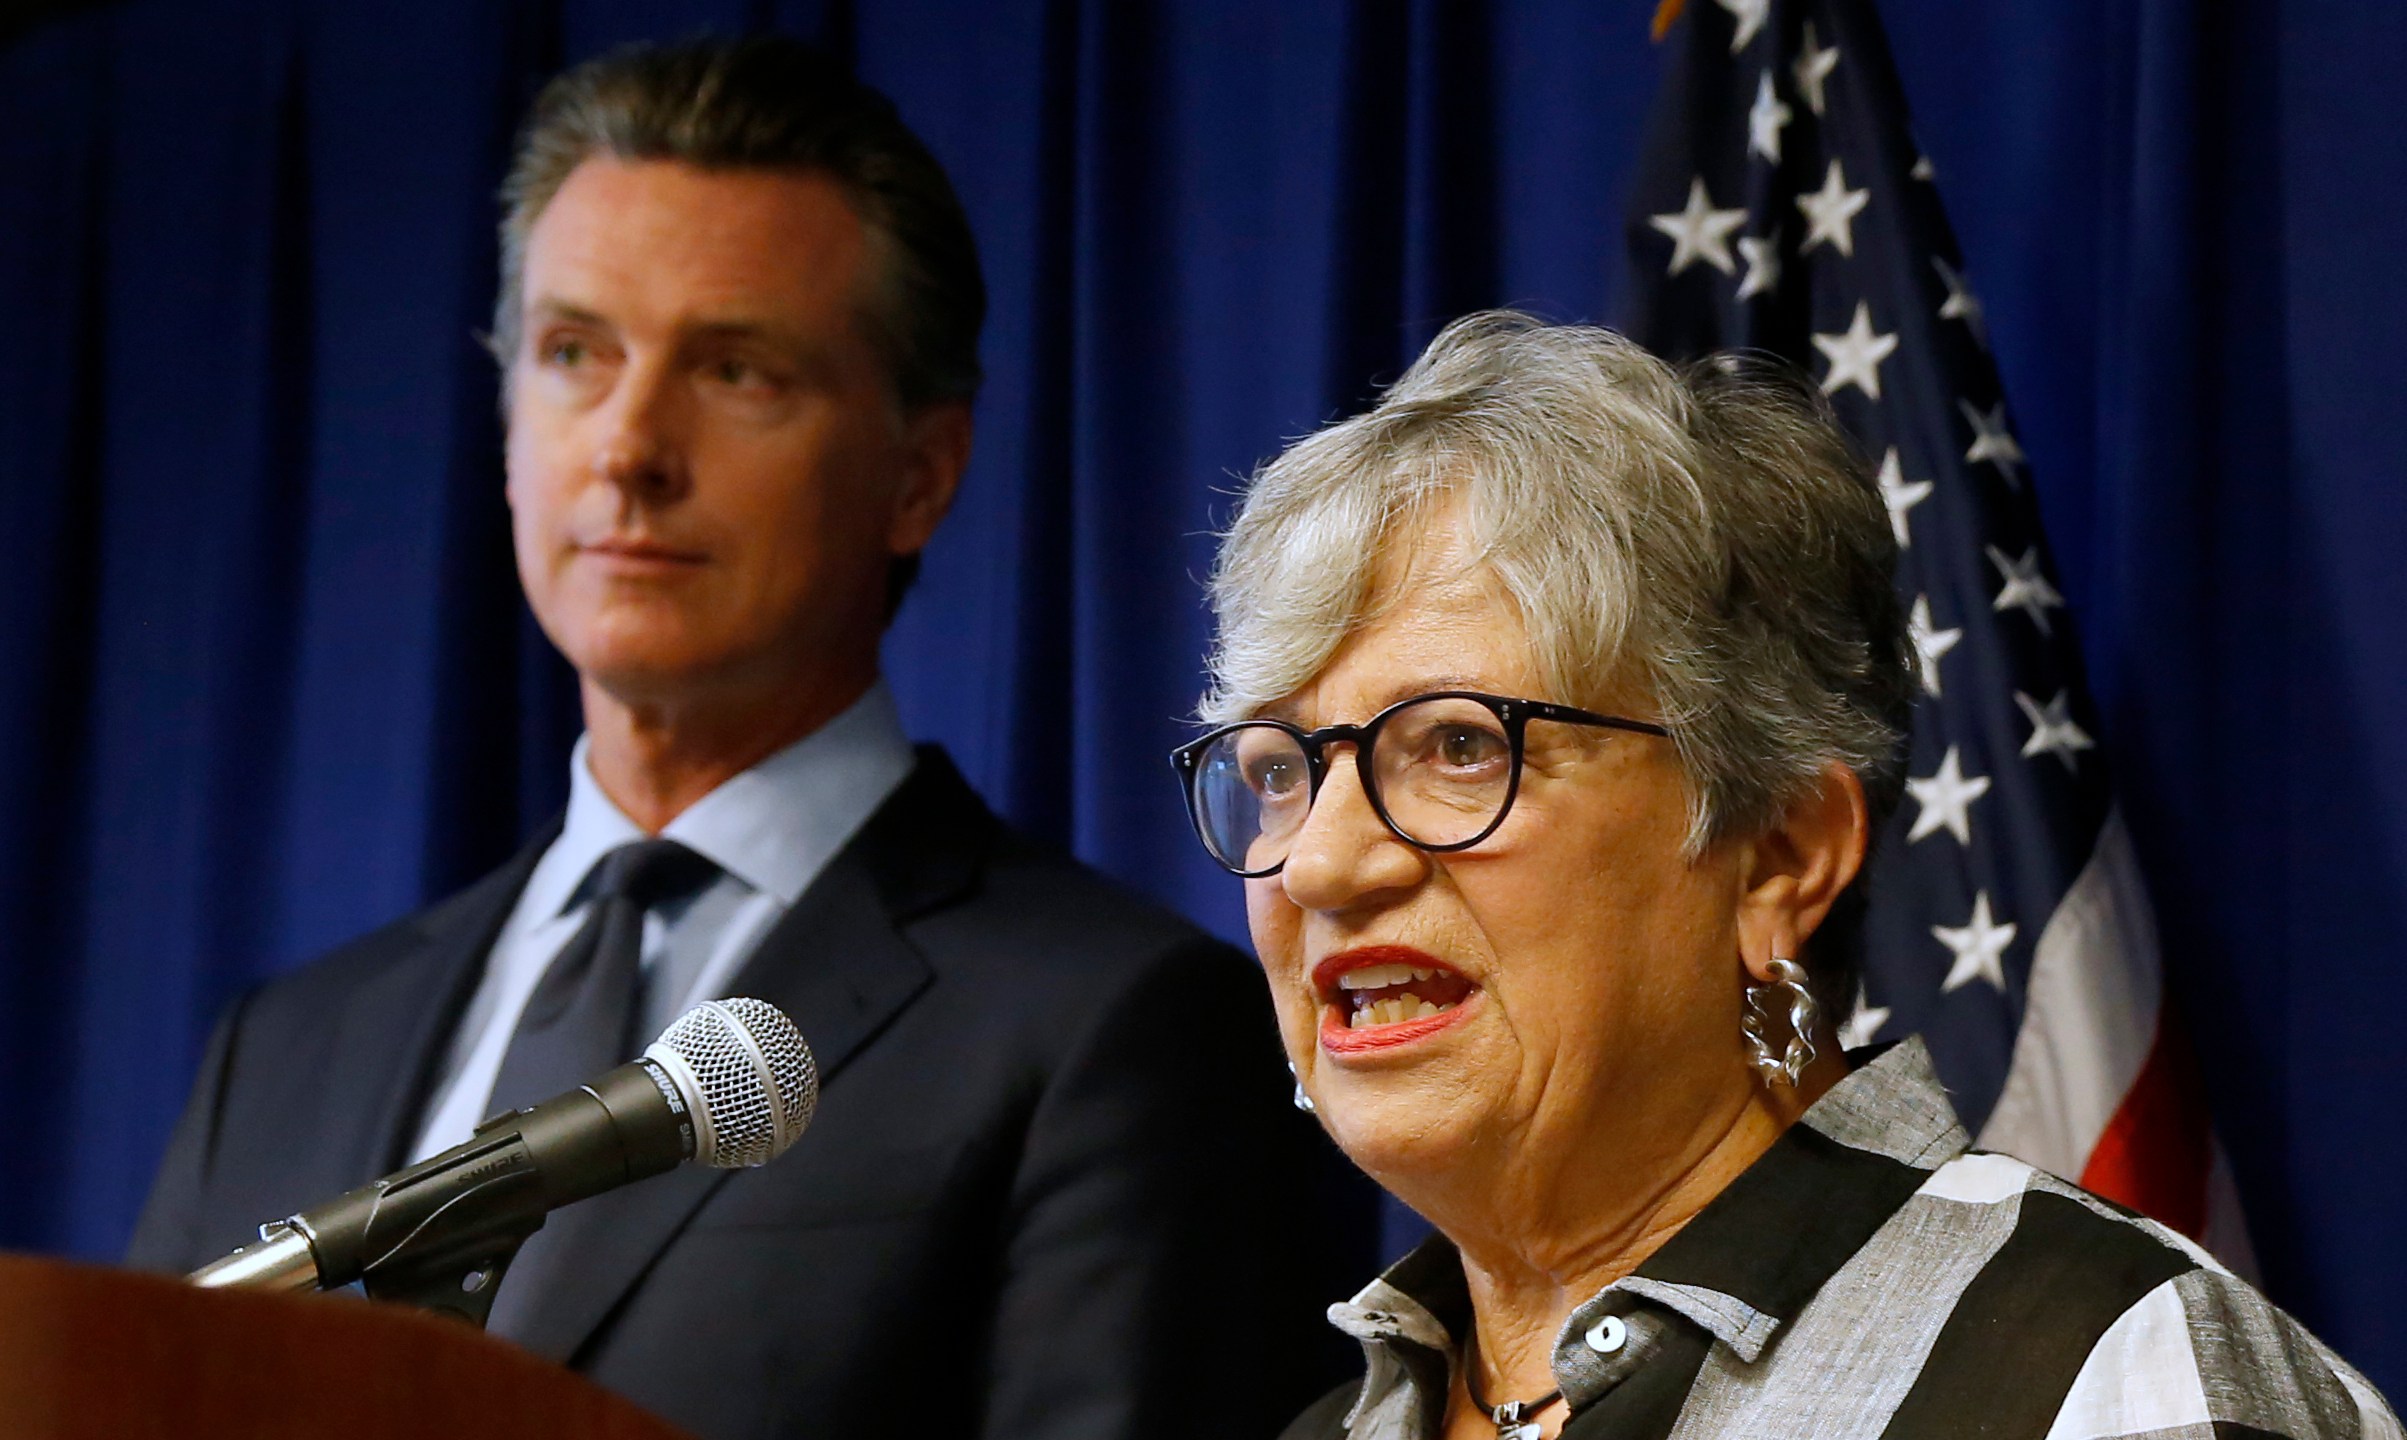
{"points": [[1871, 1275]]}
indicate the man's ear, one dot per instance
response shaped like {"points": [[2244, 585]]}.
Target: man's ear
{"points": [[936, 441], [1798, 868]]}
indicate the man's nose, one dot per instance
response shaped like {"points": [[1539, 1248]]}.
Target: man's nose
{"points": [[642, 446], [1344, 856]]}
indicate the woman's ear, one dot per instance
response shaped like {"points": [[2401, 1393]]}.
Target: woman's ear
{"points": [[1797, 869]]}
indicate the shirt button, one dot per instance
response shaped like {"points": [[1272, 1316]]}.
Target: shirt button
{"points": [[1606, 1335]]}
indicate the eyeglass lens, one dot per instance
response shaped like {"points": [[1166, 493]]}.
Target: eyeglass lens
{"points": [[1443, 768]]}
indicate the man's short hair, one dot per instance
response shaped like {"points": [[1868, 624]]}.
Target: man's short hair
{"points": [[770, 103]]}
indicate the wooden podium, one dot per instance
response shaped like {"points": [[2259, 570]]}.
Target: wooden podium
{"points": [[94, 1354]]}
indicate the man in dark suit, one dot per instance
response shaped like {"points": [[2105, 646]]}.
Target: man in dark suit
{"points": [[1053, 1189]]}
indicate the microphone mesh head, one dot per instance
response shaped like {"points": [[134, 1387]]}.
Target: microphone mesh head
{"points": [[748, 1077]]}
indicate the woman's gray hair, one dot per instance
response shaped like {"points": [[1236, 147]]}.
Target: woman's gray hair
{"points": [[1704, 532]]}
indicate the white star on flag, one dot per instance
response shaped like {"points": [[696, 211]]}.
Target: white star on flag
{"points": [[1961, 303], [1946, 798], [1864, 1025], [1830, 211], [2052, 728], [1899, 494], [1929, 644], [1923, 169], [1765, 121], [1763, 264], [1992, 441], [1750, 15], [2025, 588], [1813, 67], [1855, 355], [1700, 232], [1979, 945]]}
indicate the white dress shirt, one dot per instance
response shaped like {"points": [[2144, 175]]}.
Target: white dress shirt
{"points": [[770, 830]]}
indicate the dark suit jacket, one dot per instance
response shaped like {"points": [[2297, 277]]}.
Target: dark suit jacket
{"points": [[1054, 1181]]}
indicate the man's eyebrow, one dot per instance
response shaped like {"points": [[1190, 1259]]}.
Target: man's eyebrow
{"points": [[765, 331], [562, 310], [811, 352], [730, 327], [808, 351]]}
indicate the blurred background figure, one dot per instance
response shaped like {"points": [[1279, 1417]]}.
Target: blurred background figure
{"points": [[738, 330]]}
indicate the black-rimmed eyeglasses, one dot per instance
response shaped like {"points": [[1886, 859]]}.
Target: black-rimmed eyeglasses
{"points": [[1440, 771]]}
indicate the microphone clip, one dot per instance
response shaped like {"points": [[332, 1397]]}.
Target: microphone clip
{"points": [[459, 1287], [441, 1234]]}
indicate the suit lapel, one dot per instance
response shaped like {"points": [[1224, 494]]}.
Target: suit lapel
{"points": [[390, 1039], [839, 966]]}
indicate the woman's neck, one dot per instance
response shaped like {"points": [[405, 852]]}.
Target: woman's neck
{"points": [[1560, 1238]]}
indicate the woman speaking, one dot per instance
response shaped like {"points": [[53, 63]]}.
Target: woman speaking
{"points": [[1558, 696]]}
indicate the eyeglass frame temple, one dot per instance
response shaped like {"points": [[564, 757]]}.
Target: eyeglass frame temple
{"points": [[1515, 715]]}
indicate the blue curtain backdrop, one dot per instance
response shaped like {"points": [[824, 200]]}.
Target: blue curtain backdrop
{"points": [[265, 681]]}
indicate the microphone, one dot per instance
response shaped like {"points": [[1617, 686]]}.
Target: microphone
{"points": [[729, 1084]]}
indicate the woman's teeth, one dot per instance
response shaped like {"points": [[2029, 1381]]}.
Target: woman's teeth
{"points": [[1379, 977], [1391, 993], [1393, 1009]]}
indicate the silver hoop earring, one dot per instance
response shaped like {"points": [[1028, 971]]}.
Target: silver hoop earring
{"points": [[1786, 1065], [1303, 1101]]}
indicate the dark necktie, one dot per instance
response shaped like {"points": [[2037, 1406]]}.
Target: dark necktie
{"points": [[581, 1019]]}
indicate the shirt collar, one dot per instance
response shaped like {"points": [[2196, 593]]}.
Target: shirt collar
{"points": [[773, 827], [777, 824], [1406, 1320], [1744, 1266], [1823, 1188]]}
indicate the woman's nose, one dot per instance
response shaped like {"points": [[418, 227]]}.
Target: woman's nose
{"points": [[1343, 854]]}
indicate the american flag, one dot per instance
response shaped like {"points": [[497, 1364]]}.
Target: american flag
{"points": [[1783, 205]]}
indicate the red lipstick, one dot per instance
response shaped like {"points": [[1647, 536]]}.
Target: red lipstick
{"points": [[1411, 980]]}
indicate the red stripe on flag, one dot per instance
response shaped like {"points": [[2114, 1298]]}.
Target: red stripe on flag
{"points": [[2156, 1151]]}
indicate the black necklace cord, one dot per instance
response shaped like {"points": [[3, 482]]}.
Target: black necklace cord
{"points": [[1512, 1414]]}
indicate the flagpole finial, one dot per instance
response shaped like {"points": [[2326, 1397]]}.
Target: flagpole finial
{"points": [[1667, 11]]}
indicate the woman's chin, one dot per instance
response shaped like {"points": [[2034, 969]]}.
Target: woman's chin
{"points": [[1399, 1133]]}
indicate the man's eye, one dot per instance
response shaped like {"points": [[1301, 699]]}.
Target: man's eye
{"points": [[740, 374], [565, 353]]}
